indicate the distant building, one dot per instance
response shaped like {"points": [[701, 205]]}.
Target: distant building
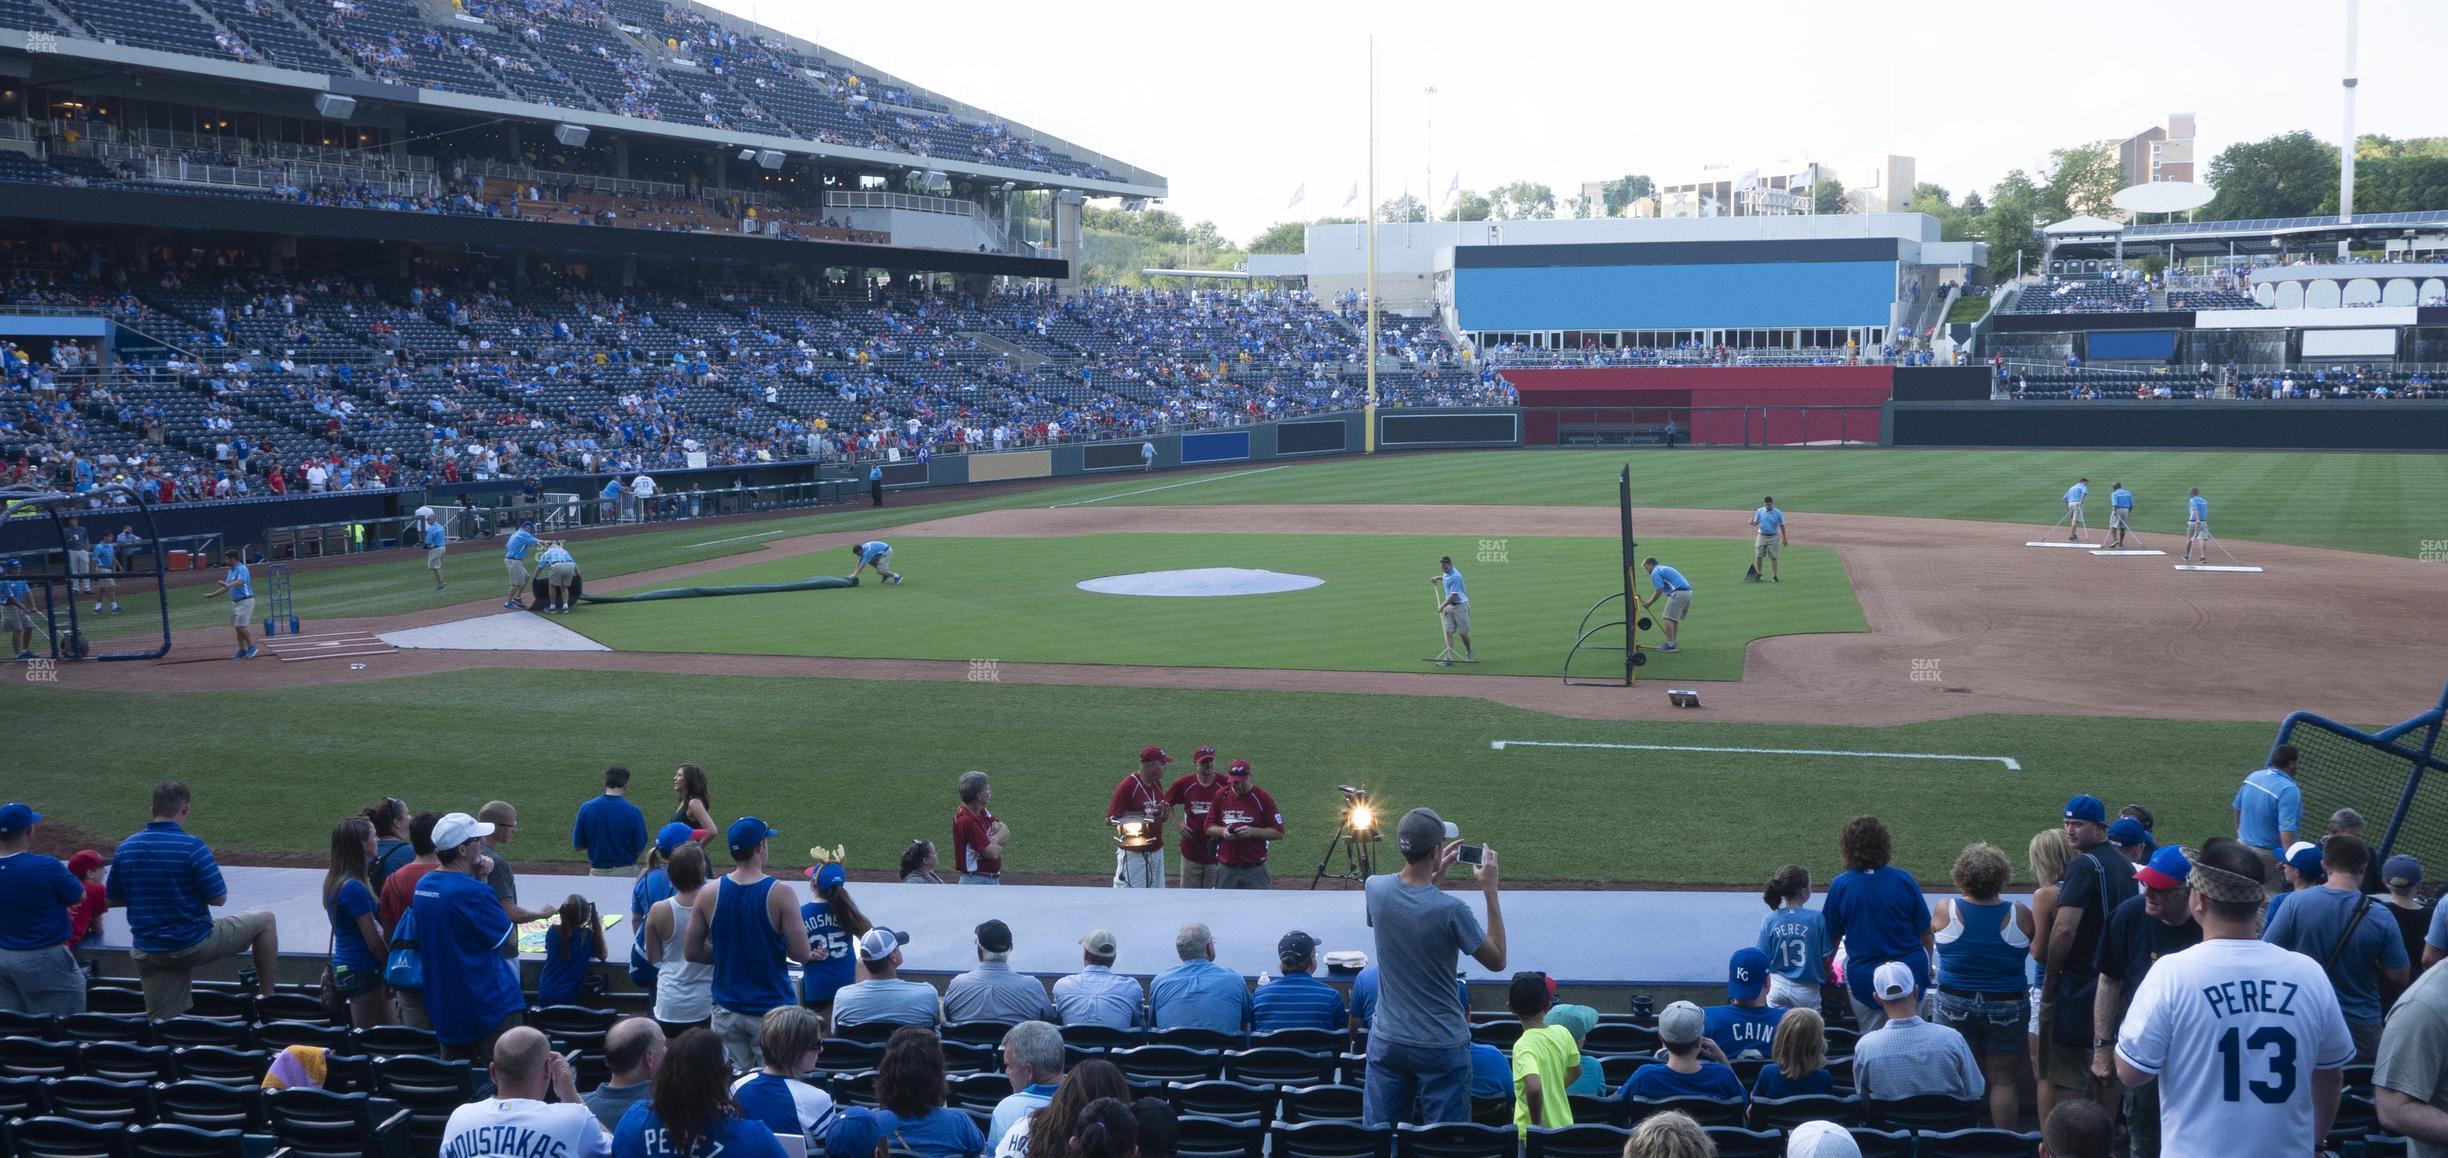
{"points": [[1778, 188], [2159, 153]]}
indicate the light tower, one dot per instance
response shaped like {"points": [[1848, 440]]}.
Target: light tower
{"points": [[2346, 147]]}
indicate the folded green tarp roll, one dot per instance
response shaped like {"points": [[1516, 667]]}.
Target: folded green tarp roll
{"points": [[819, 583]]}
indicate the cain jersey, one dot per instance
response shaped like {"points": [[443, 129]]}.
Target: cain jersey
{"points": [[2234, 1030]]}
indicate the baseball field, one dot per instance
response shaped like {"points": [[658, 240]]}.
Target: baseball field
{"points": [[1917, 661]]}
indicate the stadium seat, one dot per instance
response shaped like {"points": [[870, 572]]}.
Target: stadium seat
{"points": [[89, 1099], [842, 1055], [28, 1057], [211, 1105], [1736, 1142], [291, 1007], [573, 1028], [969, 1057], [1326, 1041], [1501, 1034], [1280, 1066], [323, 1124], [987, 1033], [2383, 1146], [280, 1035], [1618, 1068], [1979, 1142], [23, 1097], [1329, 1139], [1354, 1070], [1620, 1037], [394, 1041], [222, 1005], [1603, 1109], [1202, 1136], [983, 1090], [172, 1140], [1195, 1038], [1706, 1111], [114, 999], [14, 1023], [1787, 1113], [1101, 1037], [1923, 1112], [1882, 1143], [2357, 1115], [1167, 1063], [429, 1088], [1224, 1099], [870, 1032], [1487, 1111], [126, 1029], [854, 1089], [179, 1032], [1456, 1140], [52, 1137], [126, 1063], [1747, 1070], [1579, 1140], [1321, 1103]]}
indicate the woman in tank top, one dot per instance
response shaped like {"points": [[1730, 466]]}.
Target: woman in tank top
{"points": [[696, 807], [1983, 941], [683, 995]]}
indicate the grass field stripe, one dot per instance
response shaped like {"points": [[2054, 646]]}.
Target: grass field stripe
{"points": [[734, 539], [1170, 486], [2008, 761]]}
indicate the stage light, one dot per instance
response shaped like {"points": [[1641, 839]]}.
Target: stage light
{"points": [[1136, 833], [1363, 818]]}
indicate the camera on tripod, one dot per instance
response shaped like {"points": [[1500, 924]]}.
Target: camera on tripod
{"points": [[1353, 839]]}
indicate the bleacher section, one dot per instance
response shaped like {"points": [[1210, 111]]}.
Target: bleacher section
{"points": [[2085, 297]]}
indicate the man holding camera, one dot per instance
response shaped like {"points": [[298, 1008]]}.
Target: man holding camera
{"points": [[1419, 1066], [1243, 821]]}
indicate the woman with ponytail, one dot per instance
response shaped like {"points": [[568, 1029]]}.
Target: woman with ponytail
{"points": [[1795, 940]]}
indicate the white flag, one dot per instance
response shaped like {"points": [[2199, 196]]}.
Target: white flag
{"points": [[1297, 193], [1352, 198], [1455, 187]]}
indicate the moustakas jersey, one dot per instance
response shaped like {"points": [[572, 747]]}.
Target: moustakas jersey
{"points": [[2233, 1030]]}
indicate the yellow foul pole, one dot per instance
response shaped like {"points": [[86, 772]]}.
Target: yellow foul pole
{"points": [[1368, 431]]}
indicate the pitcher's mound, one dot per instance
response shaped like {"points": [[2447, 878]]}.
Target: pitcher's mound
{"points": [[506, 631], [1200, 582]]}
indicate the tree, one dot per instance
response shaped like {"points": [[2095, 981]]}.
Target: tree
{"points": [[2393, 176], [1403, 208], [1621, 192], [1282, 237], [2083, 178], [2009, 224], [2288, 175], [1829, 196], [1523, 200], [1470, 206], [1205, 235], [1933, 200]]}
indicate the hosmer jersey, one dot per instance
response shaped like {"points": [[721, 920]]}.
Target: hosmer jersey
{"points": [[2234, 1030]]}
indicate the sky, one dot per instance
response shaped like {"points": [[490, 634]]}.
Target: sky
{"points": [[1240, 105]]}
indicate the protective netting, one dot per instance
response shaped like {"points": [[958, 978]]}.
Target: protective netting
{"points": [[2396, 778]]}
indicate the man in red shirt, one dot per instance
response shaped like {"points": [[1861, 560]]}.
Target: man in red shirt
{"points": [[1195, 795], [1140, 865], [977, 837], [1243, 821]]}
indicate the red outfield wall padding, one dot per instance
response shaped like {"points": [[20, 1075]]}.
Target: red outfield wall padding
{"points": [[1680, 388]]}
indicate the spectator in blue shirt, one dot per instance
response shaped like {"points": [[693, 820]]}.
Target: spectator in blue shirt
{"points": [[1198, 993], [1800, 1053], [471, 991], [1298, 1000], [691, 1114], [1491, 1072], [910, 1091], [1746, 1026], [610, 830], [1878, 912], [1096, 995], [1694, 1067], [167, 882], [38, 972], [571, 949], [358, 948]]}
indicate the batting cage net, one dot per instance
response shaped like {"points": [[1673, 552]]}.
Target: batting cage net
{"points": [[2397, 778]]}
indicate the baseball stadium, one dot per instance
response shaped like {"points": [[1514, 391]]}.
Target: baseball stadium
{"points": [[427, 430]]}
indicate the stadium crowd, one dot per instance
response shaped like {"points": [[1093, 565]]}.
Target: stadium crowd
{"points": [[1882, 1007]]}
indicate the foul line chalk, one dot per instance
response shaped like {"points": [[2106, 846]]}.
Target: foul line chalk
{"points": [[1168, 486], [2008, 761], [734, 539]]}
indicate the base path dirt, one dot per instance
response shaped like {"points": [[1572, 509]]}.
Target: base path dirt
{"points": [[1963, 620]]}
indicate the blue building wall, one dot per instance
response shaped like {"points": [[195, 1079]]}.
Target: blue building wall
{"points": [[1756, 295]]}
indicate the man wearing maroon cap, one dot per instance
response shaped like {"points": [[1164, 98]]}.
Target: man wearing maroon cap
{"points": [[1139, 855], [1195, 795], [1243, 821]]}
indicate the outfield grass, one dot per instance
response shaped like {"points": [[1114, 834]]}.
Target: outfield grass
{"points": [[1017, 599], [871, 764], [2386, 504]]}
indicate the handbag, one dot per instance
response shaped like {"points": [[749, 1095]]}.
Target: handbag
{"points": [[405, 967]]}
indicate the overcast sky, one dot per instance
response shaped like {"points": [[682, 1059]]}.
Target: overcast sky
{"points": [[1237, 105]]}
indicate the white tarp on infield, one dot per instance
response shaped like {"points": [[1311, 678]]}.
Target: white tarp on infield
{"points": [[1200, 582], [504, 631]]}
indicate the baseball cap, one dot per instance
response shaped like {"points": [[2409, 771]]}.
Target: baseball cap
{"points": [[1205, 752], [86, 860], [1808, 1140], [828, 876], [1100, 942], [1893, 981], [16, 818], [669, 839], [1681, 1023], [457, 829], [1238, 768], [2128, 832], [748, 832], [2086, 807], [1747, 974], [993, 936], [880, 942], [2306, 858], [855, 1134], [1296, 946], [1152, 752], [2401, 870], [1577, 1020], [2167, 869], [15, 564], [1422, 831]]}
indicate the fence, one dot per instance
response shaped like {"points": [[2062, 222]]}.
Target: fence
{"points": [[1667, 426], [556, 514], [2396, 778]]}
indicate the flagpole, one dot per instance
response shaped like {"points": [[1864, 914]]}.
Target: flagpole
{"points": [[1368, 431]]}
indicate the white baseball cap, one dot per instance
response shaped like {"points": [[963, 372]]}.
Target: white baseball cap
{"points": [[1820, 1140], [457, 829], [1892, 982]]}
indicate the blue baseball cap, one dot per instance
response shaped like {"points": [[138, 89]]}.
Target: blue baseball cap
{"points": [[669, 839], [15, 564], [16, 818], [2305, 857], [2128, 832], [2402, 869], [748, 832], [855, 1134], [2086, 808], [827, 876], [2168, 868], [1746, 974]]}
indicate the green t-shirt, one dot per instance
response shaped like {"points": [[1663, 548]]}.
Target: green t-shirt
{"points": [[1550, 1052]]}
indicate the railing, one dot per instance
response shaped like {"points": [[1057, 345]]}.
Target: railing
{"points": [[251, 147], [267, 175], [596, 183], [910, 201]]}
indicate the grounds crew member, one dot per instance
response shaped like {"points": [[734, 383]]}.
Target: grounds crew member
{"points": [[1670, 585], [1768, 526]]}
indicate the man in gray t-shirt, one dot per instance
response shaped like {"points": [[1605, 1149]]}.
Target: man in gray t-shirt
{"points": [[503, 879], [884, 996], [1419, 1036], [2364, 965], [2410, 1080]]}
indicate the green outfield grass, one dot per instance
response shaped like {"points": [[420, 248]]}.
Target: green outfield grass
{"points": [[871, 764], [1017, 600]]}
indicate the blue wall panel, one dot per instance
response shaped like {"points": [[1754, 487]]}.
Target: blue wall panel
{"points": [[1223, 446], [2151, 345], [1766, 295]]}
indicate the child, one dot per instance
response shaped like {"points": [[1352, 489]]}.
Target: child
{"points": [[1546, 1059], [85, 917], [571, 948], [1795, 940], [1800, 1050]]}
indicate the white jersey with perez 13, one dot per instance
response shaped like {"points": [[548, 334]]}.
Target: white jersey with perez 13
{"points": [[2233, 1030]]}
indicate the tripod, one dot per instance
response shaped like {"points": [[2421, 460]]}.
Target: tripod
{"points": [[1357, 855]]}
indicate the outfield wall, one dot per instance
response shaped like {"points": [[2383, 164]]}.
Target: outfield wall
{"points": [[2335, 424]]}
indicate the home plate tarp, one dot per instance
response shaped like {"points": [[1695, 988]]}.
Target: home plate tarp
{"points": [[505, 631]]}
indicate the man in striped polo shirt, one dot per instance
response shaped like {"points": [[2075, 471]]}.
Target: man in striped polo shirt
{"points": [[1297, 1000], [167, 882]]}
